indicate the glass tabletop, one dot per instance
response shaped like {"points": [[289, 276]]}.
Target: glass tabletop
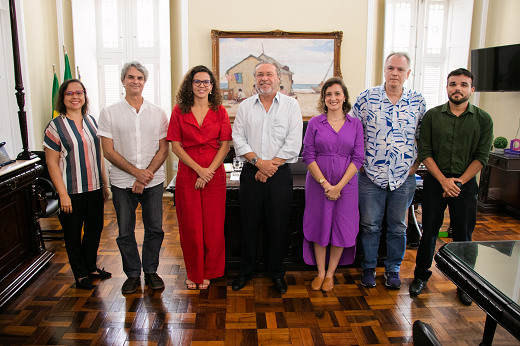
{"points": [[497, 262]]}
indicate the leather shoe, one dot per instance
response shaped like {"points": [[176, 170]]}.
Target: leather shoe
{"points": [[464, 298], [328, 285], [130, 285], [154, 281], [316, 283], [84, 284], [100, 273], [240, 282], [280, 285], [416, 287]]}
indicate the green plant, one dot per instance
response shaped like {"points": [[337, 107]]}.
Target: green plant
{"points": [[500, 142]]}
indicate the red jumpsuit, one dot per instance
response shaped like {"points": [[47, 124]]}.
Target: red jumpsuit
{"points": [[201, 213]]}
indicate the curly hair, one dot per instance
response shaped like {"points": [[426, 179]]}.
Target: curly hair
{"points": [[185, 98], [60, 105], [322, 107]]}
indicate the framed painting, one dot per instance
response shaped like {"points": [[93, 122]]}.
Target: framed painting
{"points": [[306, 60]]}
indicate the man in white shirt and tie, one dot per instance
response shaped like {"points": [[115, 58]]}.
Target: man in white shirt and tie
{"points": [[267, 134]]}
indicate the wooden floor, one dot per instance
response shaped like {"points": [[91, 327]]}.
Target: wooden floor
{"points": [[51, 311]]}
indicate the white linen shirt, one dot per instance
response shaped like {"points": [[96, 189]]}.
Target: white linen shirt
{"points": [[276, 133], [391, 133], [136, 137]]}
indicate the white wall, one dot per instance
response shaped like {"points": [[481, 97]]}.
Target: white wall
{"points": [[349, 16]]}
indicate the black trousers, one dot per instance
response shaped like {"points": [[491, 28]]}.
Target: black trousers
{"points": [[463, 217], [272, 201], [87, 213]]}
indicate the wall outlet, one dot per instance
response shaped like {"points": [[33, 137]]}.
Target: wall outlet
{"points": [[175, 165]]}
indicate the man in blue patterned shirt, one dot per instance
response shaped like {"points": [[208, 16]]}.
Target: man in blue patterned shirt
{"points": [[391, 117]]}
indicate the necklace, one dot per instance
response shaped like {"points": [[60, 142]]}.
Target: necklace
{"points": [[334, 120]]}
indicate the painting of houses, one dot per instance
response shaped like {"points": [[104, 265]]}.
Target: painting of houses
{"points": [[240, 76], [304, 64]]}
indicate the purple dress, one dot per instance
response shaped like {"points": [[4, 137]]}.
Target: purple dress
{"points": [[332, 222]]}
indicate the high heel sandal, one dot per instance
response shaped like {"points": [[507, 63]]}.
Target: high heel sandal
{"points": [[191, 285], [204, 285]]}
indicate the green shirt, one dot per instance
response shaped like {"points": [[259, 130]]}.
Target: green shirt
{"points": [[455, 141]]}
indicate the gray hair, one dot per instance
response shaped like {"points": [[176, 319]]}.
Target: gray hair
{"points": [[400, 55], [269, 62], [140, 67]]}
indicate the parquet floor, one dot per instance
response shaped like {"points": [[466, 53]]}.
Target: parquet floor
{"points": [[51, 311]]}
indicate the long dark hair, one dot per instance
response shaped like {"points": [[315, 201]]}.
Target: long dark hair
{"points": [[60, 105], [322, 107], [185, 98]]}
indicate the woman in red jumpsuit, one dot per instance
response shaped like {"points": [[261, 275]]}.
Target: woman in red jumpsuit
{"points": [[200, 132]]}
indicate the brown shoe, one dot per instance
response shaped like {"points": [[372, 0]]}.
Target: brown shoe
{"points": [[316, 283], [328, 285]]}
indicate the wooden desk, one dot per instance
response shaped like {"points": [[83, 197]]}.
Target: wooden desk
{"points": [[489, 272], [499, 187], [293, 258], [21, 250]]}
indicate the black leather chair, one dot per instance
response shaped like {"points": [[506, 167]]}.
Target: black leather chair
{"points": [[53, 206], [423, 335]]}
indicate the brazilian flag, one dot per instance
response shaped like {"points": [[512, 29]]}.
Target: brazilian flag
{"points": [[55, 89], [67, 74]]}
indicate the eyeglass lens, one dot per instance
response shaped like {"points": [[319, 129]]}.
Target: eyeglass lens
{"points": [[77, 92], [206, 82]]}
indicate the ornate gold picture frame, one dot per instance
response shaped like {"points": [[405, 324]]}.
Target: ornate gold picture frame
{"points": [[306, 60]]}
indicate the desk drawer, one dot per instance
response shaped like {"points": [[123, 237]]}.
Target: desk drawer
{"points": [[498, 162]]}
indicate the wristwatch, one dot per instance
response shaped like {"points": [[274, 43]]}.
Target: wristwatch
{"points": [[321, 181], [254, 160]]}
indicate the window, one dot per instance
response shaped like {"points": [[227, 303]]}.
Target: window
{"points": [[436, 34], [128, 30]]}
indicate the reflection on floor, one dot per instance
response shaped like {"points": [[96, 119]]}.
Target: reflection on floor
{"points": [[50, 310]]}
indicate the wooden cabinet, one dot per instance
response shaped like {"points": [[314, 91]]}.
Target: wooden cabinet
{"points": [[499, 187], [21, 250]]}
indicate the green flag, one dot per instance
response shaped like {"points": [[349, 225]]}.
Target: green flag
{"points": [[67, 74], [55, 89]]}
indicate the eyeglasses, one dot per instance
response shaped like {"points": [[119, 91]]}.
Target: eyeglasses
{"points": [[197, 82], [77, 93]]}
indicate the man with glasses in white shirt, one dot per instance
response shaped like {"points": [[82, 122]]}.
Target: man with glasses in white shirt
{"points": [[267, 135], [133, 136]]}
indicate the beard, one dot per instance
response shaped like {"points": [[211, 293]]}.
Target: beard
{"points": [[459, 101], [272, 89]]}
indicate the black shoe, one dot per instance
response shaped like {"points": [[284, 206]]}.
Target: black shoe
{"points": [[464, 298], [240, 282], [154, 281], [130, 285], [280, 285], [416, 287], [101, 274], [84, 284]]}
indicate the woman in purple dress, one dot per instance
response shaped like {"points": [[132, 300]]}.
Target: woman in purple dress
{"points": [[333, 152]]}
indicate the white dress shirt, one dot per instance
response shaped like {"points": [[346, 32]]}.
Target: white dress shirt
{"points": [[136, 137], [276, 133]]}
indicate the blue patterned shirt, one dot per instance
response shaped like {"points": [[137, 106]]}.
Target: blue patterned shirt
{"points": [[391, 133]]}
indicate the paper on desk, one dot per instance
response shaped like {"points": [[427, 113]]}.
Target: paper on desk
{"points": [[235, 176], [228, 167]]}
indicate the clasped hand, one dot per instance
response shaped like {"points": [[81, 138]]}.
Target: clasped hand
{"points": [[205, 174], [144, 176], [332, 192], [268, 167], [449, 187]]}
